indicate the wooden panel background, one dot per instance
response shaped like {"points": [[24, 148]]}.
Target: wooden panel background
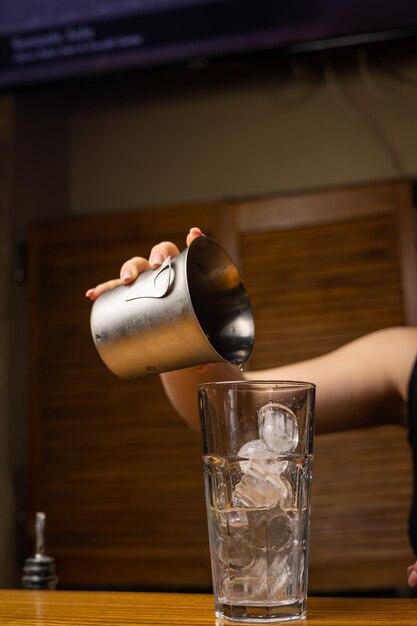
{"points": [[315, 288], [117, 472], [330, 268]]}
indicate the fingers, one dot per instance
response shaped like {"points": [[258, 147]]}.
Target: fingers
{"points": [[131, 269], [193, 234], [95, 292], [160, 252], [412, 575], [166, 248]]}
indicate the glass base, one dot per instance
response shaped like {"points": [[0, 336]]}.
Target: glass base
{"points": [[261, 613]]}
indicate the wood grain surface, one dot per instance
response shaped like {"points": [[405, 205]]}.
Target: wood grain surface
{"points": [[83, 608]]}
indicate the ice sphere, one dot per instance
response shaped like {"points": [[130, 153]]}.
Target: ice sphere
{"points": [[272, 530], [230, 518], [262, 474], [255, 448], [278, 428], [267, 580], [237, 518], [235, 552], [280, 531], [242, 589], [260, 459], [255, 490]]}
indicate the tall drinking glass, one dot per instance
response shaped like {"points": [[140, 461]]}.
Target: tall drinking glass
{"points": [[257, 457]]}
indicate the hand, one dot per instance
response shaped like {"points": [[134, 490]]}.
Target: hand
{"points": [[412, 574], [131, 269]]}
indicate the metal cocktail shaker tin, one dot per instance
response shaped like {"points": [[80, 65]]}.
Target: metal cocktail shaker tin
{"points": [[193, 309]]}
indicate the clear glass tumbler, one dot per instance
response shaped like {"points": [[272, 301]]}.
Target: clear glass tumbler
{"points": [[257, 456]]}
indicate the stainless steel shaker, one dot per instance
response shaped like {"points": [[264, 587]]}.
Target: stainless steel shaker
{"points": [[193, 309]]}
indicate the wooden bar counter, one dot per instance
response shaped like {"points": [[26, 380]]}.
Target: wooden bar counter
{"points": [[85, 608]]}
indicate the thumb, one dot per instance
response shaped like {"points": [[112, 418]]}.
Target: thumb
{"points": [[193, 234]]}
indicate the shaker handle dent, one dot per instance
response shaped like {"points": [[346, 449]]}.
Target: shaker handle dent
{"points": [[149, 285]]}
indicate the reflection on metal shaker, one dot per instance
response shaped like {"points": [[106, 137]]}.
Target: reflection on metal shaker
{"points": [[193, 309]]}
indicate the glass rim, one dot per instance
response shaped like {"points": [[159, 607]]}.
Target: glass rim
{"points": [[260, 384]]}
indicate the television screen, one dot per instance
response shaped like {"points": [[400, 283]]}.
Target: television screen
{"points": [[46, 40]]}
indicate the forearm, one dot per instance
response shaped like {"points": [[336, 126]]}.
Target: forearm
{"points": [[181, 387], [361, 384]]}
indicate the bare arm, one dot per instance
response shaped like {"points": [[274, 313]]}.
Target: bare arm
{"points": [[181, 387], [361, 384]]}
